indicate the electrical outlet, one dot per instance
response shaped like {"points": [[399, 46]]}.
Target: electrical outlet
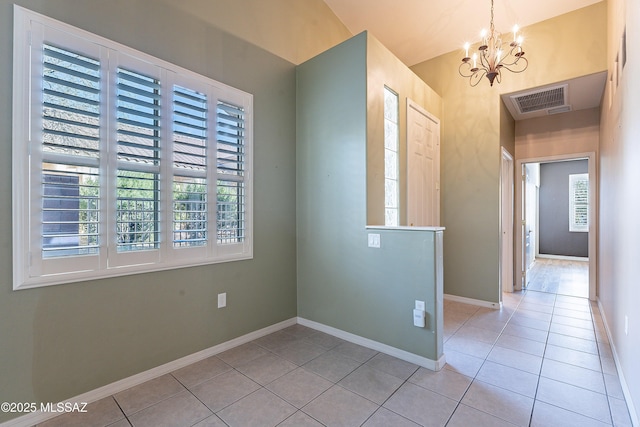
{"points": [[222, 300]]}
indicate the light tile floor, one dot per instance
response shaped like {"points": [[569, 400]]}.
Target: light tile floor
{"points": [[559, 276], [542, 360]]}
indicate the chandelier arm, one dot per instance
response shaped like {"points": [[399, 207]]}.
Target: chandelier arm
{"points": [[523, 59], [460, 71], [484, 61], [477, 77]]}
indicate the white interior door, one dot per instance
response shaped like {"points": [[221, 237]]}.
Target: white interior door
{"points": [[423, 167]]}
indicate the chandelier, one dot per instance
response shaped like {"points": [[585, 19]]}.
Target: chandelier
{"points": [[493, 56]]}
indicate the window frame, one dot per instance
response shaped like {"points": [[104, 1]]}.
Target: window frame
{"points": [[30, 267]]}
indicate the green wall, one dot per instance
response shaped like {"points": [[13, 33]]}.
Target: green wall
{"points": [[560, 48], [61, 341], [342, 282]]}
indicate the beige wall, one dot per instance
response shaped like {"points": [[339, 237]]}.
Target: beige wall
{"points": [[292, 29], [560, 134], [507, 130], [619, 234], [385, 69], [561, 48]]}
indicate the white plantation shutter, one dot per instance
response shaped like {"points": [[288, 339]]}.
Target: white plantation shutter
{"points": [[119, 157], [230, 124], [70, 130], [579, 202], [138, 154], [190, 161]]}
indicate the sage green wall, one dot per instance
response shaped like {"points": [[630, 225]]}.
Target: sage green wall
{"points": [[60, 341], [561, 48], [618, 249], [342, 282]]}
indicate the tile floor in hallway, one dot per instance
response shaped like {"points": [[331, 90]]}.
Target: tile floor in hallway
{"points": [[542, 360], [560, 276]]}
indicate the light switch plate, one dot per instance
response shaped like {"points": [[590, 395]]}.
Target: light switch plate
{"points": [[420, 305], [374, 240]]}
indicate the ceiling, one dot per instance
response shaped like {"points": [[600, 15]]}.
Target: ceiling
{"points": [[579, 94], [418, 30]]}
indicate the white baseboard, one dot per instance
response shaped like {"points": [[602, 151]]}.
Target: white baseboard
{"points": [[434, 365], [479, 302], [134, 380], [563, 257], [623, 383]]}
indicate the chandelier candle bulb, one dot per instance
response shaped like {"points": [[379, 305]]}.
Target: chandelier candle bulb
{"points": [[515, 33], [466, 50]]}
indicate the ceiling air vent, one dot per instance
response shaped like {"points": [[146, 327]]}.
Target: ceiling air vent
{"points": [[543, 99]]}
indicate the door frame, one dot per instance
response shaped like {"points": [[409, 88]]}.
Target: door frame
{"points": [[506, 222], [593, 216]]}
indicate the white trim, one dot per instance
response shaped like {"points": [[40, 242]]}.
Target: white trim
{"points": [[623, 383], [478, 302], [137, 379], [563, 257], [434, 365], [403, 228]]}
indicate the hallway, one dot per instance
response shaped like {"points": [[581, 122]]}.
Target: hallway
{"points": [[558, 276]]}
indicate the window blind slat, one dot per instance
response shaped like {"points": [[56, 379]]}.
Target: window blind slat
{"points": [[70, 97], [75, 59], [69, 84]]}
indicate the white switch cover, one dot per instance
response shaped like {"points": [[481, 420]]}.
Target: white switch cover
{"points": [[420, 305], [222, 300], [374, 240]]}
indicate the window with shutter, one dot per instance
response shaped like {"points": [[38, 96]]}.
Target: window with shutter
{"points": [[190, 152], [391, 163], [579, 202], [231, 173], [70, 214], [115, 163]]}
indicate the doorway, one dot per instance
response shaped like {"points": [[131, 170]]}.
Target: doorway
{"points": [[536, 263], [506, 222]]}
